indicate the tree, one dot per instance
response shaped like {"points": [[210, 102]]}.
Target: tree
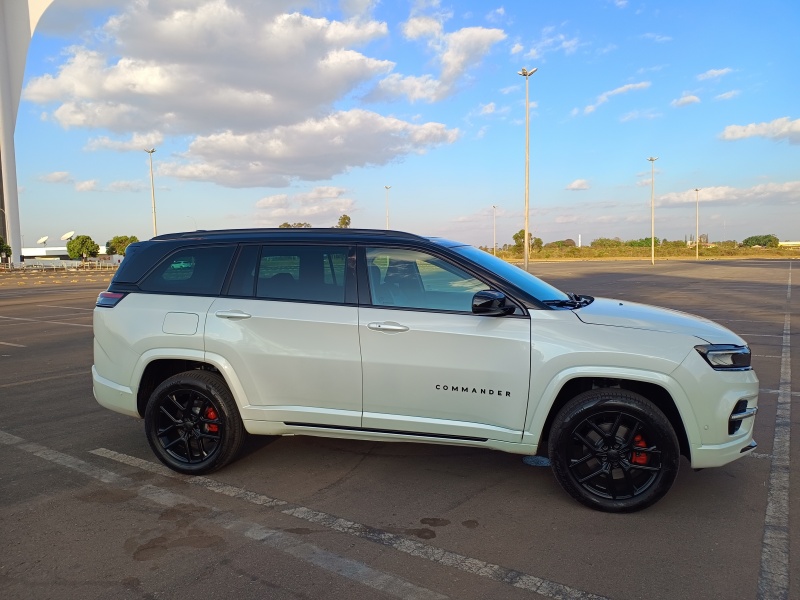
{"points": [[344, 222], [606, 243], [5, 249], [535, 242], [519, 237], [119, 243], [769, 241], [294, 225], [81, 245]]}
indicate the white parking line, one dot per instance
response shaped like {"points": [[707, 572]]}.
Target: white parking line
{"points": [[384, 583], [20, 319], [549, 589], [773, 577], [14, 345], [69, 307]]}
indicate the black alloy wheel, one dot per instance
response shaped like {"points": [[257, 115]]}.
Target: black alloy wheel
{"points": [[614, 450], [192, 423]]}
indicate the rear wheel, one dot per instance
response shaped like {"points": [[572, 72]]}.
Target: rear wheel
{"points": [[614, 450], [192, 423]]}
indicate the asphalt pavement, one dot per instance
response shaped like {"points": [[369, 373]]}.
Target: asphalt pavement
{"points": [[87, 512]]}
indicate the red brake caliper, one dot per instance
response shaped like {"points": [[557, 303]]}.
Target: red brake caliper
{"points": [[211, 415], [639, 458]]}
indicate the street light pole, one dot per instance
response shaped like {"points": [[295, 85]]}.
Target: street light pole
{"points": [[526, 74], [697, 224], [494, 230], [387, 205], [152, 190], [653, 209]]}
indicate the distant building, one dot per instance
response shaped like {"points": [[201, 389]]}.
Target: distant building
{"points": [[52, 252], [789, 244]]}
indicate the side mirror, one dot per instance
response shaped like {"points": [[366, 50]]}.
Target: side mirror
{"points": [[491, 303]]}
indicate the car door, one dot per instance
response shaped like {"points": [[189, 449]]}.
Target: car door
{"points": [[288, 327], [431, 366]]}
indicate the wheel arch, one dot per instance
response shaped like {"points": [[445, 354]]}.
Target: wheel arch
{"points": [[154, 368], [655, 389]]}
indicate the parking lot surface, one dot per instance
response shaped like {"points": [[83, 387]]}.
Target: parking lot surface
{"points": [[87, 512]]}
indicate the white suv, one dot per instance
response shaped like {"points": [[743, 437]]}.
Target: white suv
{"points": [[388, 336]]}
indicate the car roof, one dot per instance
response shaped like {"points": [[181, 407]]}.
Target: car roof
{"points": [[283, 233], [141, 256]]}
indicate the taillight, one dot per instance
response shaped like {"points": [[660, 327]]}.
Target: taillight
{"points": [[109, 299]]}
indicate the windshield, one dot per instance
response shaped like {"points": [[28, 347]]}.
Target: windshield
{"points": [[514, 275]]}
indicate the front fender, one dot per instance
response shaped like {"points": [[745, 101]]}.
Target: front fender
{"points": [[540, 406]]}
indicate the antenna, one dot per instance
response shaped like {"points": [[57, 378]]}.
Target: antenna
{"points": [[67, 236], [42, 240]]}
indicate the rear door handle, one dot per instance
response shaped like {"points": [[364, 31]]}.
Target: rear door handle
{"points": [[388, 327], [232, 314]]}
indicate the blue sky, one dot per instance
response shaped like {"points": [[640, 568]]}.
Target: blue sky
{"points": [[265, 112]]}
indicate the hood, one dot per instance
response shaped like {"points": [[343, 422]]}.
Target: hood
{"points": [[621, 313]]}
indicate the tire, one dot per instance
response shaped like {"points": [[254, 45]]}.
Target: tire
{"points": [[192, 423], [614, 450]]}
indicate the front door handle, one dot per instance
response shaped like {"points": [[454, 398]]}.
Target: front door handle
{"points": [[232, 314], [388, 327]]}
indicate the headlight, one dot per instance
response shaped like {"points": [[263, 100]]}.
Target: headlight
{"points": [[726, 357]]}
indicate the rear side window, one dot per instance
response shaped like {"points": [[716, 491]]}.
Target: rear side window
{"points": [[198, 271], [306, 273]]}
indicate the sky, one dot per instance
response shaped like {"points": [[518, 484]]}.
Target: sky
{"points": [[300, 111]]}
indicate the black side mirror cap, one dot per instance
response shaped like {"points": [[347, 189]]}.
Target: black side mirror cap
{"points": [[491, 303]]}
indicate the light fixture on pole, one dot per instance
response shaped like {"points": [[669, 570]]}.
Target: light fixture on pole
{"points": [[653, 209], [697, 224], [387, 205], [526, 74], [152, 190], [494, 230]]}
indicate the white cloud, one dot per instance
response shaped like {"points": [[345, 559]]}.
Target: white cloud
{"points": [[714, 73], [496, 15], [517, 48], [137, 141], [57, 177], [236, 72], [418, 27], [620, 3], [550, 41], [487, 109], [89, 185], [639, 114], [779, 129], [603, 98], [321, 207], [578, 184], [455, 52], [657, 37], [765, 193], [727, 95], [685, 100], [312, 150]]}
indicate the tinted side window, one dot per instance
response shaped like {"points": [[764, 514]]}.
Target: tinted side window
{"points": [[191, 271], [412, 279], [310, 273]]}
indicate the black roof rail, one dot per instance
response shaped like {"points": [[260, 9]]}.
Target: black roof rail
{"points": [[212, 233]]}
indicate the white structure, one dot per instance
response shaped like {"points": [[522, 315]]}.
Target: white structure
{"points": [[18, 20]]}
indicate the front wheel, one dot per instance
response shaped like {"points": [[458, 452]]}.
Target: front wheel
{"points": [[192, 423], [614, 450]]}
